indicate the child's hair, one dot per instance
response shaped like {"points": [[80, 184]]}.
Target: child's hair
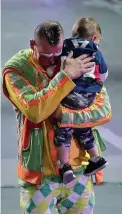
{"points": [[86, 28]]}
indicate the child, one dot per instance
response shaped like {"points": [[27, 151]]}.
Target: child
{"points": [[86, 35]]}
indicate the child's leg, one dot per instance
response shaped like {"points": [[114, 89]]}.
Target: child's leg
{"points": [[85, 138], [87, 141], [93, 152], [62, 140], [63, 154]]}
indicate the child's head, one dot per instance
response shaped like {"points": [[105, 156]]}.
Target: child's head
{"points": [[87, 28]]}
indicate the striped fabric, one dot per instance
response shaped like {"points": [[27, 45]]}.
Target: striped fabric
{"points": [[56, 198], [98, 113]]}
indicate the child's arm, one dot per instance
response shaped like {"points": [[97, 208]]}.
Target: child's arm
{"points": [[103, 70]]}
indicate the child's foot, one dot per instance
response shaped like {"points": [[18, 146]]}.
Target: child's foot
{"points": [[95, 165], [66, 173]]}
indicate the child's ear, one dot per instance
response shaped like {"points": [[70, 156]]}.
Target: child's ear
{"points": [[94, 37], [32, 44]]}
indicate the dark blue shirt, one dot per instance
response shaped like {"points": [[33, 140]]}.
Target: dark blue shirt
{"points": [[81, 46]]}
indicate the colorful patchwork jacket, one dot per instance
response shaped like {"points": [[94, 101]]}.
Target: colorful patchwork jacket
{"points": [[36, 94]]}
